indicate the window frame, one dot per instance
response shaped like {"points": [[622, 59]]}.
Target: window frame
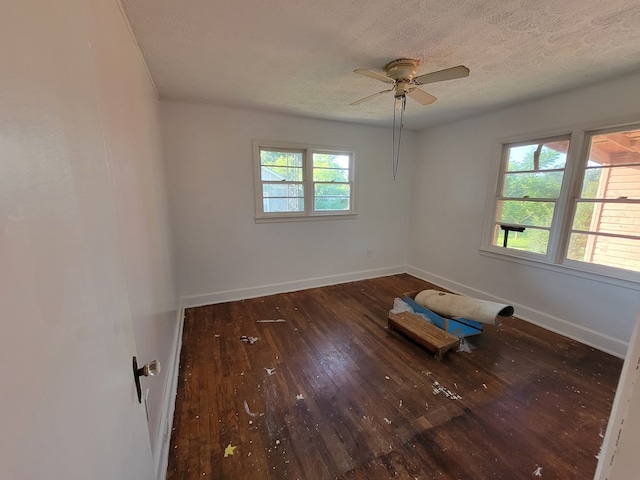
{"points": [[558, 202], [561, 225], [308, 183]]}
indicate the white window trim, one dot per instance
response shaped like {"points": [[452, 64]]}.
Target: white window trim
{"points": [[308, 214], [555, 259]]}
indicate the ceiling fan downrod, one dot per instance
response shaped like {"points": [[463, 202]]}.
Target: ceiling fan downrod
{"points": [[399, 104]]}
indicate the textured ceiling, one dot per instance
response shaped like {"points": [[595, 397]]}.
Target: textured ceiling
{"points": [[297, 57]]}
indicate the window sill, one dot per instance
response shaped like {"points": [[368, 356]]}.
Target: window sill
{"points": [[307, 218], [564, 269]]}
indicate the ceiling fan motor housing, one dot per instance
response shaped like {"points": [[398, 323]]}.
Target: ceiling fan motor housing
{"points": [[402, 69]]}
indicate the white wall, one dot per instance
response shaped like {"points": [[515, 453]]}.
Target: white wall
{"points": [[83, 248], [450, 185], [131, 120], [222, 254]]}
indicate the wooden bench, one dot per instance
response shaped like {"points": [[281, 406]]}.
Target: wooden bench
{"points": [[423, 333]]}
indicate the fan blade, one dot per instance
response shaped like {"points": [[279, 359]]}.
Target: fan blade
{"points": [[441, 75], [421, 96], [357, 102], [372, 74]]}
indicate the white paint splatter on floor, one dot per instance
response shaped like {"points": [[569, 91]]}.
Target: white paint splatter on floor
{"points": [[439, 389]]}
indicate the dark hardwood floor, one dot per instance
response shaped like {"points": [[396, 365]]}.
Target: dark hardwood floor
{"points": [[332, 393]]}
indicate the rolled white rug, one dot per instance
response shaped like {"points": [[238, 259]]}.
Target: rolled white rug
{"points": [[452, 306]]}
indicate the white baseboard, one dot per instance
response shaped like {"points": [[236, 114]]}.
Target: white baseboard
{"points": [[572, 330], [190, 301], [163, 437]]}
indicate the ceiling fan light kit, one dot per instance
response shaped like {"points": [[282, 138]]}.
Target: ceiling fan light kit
{"points": [[401, 75]]}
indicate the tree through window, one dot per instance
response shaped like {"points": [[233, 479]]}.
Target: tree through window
{"points": [[530, 187]]}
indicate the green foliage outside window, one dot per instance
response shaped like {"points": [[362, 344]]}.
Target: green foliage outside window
{"points": [[331, 176], [522, 181], [331, 181]]}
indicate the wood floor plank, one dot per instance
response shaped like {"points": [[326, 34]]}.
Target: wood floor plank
{"points": [[328, 391]]}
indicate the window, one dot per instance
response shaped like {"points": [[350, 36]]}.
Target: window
{"points": [[529, 191], [605, 227], [572, 200], [302, 182]]}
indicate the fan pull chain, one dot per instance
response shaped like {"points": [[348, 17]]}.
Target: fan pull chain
{"points": [[395, 156]]}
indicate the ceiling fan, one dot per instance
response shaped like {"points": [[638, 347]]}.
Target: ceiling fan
{"points": [[401, 75]]}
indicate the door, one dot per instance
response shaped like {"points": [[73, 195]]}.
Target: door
{"points": [[69, 407]]}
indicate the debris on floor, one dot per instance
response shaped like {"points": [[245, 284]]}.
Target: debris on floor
{"points": [[465, 346], [249, 340], [538, 471], [270, 371], [229, 450], [387, 420], [299, 396], [249, 412], [438, 389], [277, 320]]}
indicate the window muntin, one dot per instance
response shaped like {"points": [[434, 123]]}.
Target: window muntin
{"points": [[605, 226], [530, 186], [299, 181], [588, 219]]}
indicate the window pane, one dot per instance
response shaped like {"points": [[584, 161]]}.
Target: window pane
{"points": [[608, 217], [332, 189], [330, 174], [601, 250], [282, 197], [273, 190], [618, 148], [281, 165], [531, 240], [538, 156], [533, 185], [330, 196], [611, 182], [327, 160], [282, 158], [523, 212], [331, 203], [270, 174], [330, 168]]}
